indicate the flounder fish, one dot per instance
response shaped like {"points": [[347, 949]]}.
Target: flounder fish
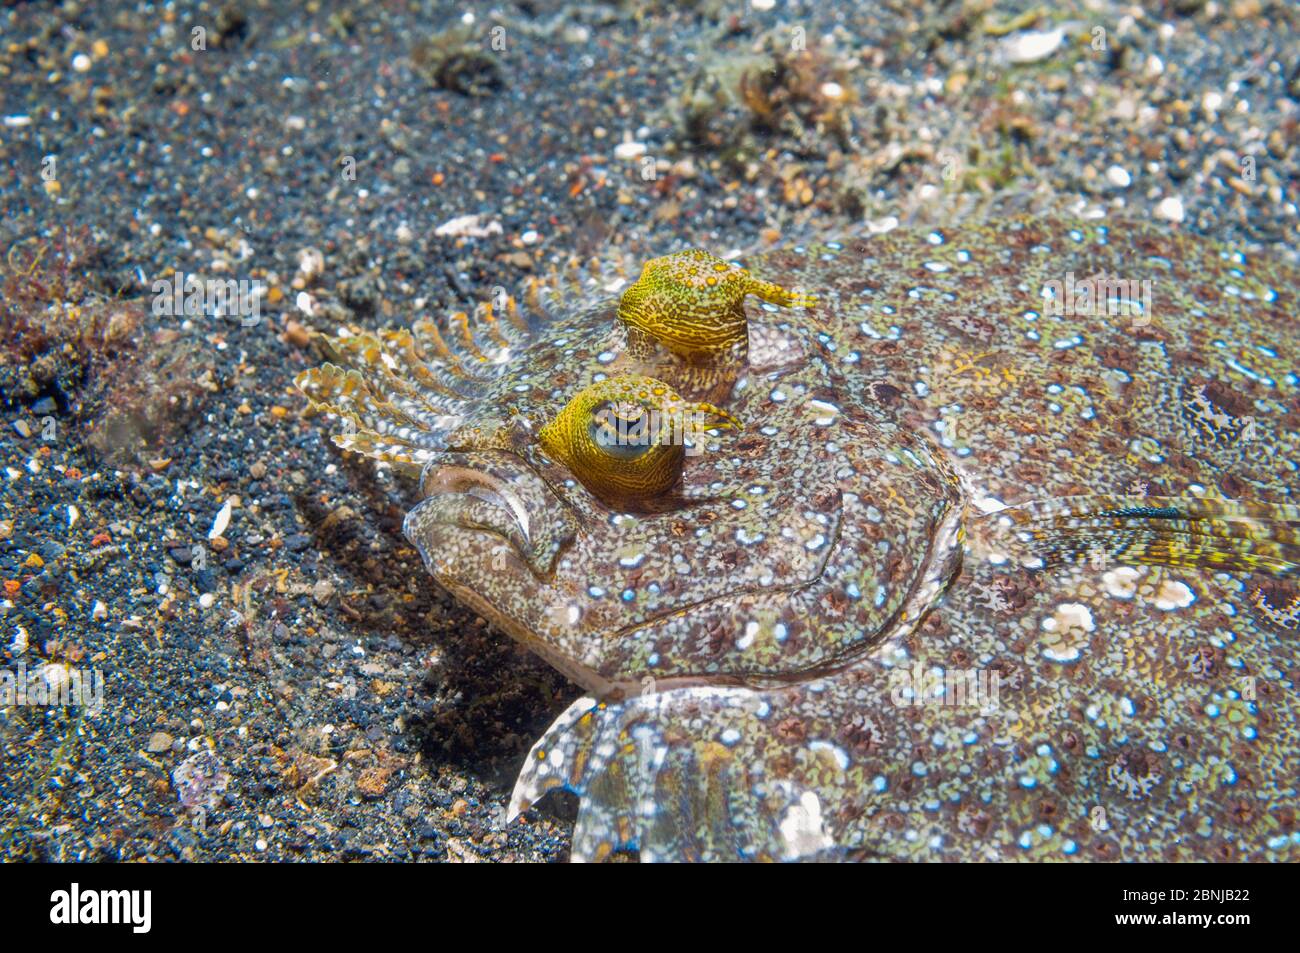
{"points": [[960, 544]]}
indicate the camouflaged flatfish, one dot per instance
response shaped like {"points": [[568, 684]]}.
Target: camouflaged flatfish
{"points": [[942, 545]]}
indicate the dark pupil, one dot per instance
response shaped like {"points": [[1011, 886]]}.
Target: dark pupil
{"points": [[622, 430], [634, 428]]}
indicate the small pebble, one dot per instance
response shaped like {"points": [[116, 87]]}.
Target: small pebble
{"points": [[1171, 209], [297, 542], [467, 226], [1119, 177], [310, 263], [322, 591], [298, 336], [629, 150], [1032, 47], [221, 521]]}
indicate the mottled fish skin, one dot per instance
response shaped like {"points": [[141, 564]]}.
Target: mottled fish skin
{"points": [[1086, 524]]}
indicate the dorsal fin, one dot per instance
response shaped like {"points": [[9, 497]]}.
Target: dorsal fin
{"points": [[400, 393]]}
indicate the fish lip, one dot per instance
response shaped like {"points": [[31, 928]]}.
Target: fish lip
{"points": [[449, 480], [523, 511], [432, 537]]}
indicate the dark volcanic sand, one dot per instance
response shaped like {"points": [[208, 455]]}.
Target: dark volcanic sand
{"points": [[300, 689]]}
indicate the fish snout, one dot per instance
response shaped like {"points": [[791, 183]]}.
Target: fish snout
{"points": [[468, 495]]}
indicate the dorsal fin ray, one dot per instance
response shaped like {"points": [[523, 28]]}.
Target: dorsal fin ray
{"points": [[398, 374], [373, 426], [470, 353], [472, 357], [414, 368], [402, 457], [491, 331]]}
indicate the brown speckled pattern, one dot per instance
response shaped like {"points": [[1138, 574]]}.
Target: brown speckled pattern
{"points": [[771, 651]]}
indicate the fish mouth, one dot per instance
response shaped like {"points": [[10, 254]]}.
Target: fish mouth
{"points": [[489, 492]]}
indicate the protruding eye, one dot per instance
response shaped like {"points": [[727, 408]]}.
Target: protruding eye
{"points": [[625, 438], [692, 303]]}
